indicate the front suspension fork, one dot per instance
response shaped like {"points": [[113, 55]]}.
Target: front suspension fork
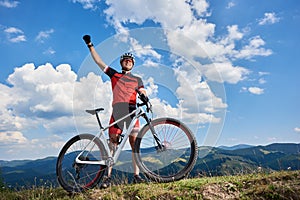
{"points": [[160, 146]]}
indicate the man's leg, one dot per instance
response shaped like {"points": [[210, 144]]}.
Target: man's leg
{"points": [[113, 138], [136, 170], [132, 138]]}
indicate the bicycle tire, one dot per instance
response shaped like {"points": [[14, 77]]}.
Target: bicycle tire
{"points": [[178, 157], [75, 177]]}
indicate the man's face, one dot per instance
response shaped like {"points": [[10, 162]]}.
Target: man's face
{"points": [[127, 64]]}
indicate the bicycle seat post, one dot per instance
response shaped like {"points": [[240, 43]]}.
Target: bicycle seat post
{"points": [[99, 122]]}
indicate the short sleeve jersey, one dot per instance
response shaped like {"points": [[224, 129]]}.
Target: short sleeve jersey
{"points": [[123, 86]]}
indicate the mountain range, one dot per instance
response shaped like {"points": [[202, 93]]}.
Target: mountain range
{"points": [[212, 161]]}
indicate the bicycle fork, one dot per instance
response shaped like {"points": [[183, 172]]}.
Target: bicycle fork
{"points": [[160, 146]]}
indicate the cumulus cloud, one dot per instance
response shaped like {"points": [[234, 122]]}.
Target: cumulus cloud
{"points": [[225, 72], [52, 95], [192, 84], [52, 100], [254, 48], [15, 35], [161, 12], [42, 92], [201, 7], [269, 18], [43, 100], [190, 34]]}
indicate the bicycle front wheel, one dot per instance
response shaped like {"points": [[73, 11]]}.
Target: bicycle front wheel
{"points": [[76, 177], [177, 157]]}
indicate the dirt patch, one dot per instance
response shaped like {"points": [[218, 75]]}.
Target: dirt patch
{"points": [[220, 191]]}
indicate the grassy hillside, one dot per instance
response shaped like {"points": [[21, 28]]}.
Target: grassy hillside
{"points": [[276, 185]]}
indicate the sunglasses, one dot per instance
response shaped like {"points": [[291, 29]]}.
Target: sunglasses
{"points": [[128, 60]]}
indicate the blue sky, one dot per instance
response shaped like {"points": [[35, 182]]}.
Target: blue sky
{"points": [[229, 69]]}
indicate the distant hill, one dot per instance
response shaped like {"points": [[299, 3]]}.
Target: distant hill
{"points": [[235, 147], [212, 161], [28, 173], [273, 157]]}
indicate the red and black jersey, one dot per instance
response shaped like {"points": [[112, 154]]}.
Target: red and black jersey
{"points": [[123, 86]]}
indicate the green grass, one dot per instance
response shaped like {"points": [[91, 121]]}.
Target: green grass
{"points": [[276, 185]]}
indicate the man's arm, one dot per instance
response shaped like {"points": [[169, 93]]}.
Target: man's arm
{"points": [[94, 53]]}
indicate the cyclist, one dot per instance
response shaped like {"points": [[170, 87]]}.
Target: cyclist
{"points": [[124, 102]]}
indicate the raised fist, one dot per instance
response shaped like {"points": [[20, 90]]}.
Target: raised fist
{"points": [[87, 39]]}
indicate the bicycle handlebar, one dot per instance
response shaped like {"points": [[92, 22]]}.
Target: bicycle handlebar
{"points": [[144, 99]]}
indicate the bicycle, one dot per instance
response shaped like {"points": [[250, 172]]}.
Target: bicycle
{"points": [[165, 150]]}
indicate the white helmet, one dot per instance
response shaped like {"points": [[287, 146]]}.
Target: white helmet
{"points": [[127, 56]]}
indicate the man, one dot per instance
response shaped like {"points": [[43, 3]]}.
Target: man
{"points": [[124, 101]]}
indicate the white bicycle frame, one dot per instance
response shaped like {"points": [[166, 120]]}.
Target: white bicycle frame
{"points": [[112, 159]]}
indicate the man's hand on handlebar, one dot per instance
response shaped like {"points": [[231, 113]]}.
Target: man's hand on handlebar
{"points": [[144, 99]]}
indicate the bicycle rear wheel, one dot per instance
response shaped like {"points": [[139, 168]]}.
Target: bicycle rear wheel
{"points": [[177, 157], [75, 177]]}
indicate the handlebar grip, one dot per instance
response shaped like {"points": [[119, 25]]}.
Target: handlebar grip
{"points": [[138, 91], [143, 97]]}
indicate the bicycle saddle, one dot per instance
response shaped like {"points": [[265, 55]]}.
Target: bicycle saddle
{"points": [[93, 112]]}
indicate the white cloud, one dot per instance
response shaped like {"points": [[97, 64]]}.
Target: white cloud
{"points": [[42, 92], [49, 51], [262, 81], [48, 101], [161, 12], [142, 51], [171, 18], [45, 100], [233, 34], [9, 4], [297, 129], [230, 5], [87, 4], [201, 7], [269, 18], [256, 90], [183, 18], [43, 35], [263, 73], [252, 90], [187, 33], [225, 72], [254, 48], [12, 137], [15, 35], [13, 30]]}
